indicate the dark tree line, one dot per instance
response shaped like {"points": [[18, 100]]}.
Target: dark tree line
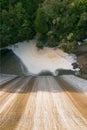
{"points": [[54, 21], [62, 21], [17, 20]]}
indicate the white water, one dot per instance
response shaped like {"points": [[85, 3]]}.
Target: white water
{"points": [[47, 59]]}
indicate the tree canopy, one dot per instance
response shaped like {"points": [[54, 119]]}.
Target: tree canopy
{"points": [[17, 20], [64, 21], [55, 22]]}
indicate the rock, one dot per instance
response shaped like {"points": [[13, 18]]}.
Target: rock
{"points": [[75, 65]]}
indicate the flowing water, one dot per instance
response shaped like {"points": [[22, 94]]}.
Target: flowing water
{"points": [[47, 59], [43, 103]]}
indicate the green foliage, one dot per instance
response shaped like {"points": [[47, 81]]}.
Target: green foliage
{"points": [[40, 22], [40, 45], [66, 21], [17, 21], [41, 41], [56, 21], [69, 47]]}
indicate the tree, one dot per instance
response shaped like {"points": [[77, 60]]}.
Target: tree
{"points": [[40, 22], [17, 21], [65, 21]]}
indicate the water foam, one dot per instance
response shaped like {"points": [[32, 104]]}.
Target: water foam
{"points": [[37, 60]]}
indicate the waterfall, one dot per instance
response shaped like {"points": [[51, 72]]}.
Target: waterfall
{"points": [[47, 59]]}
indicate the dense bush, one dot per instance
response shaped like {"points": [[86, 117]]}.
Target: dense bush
{"points": [[63, 22], [17, 21], [54, 21]]}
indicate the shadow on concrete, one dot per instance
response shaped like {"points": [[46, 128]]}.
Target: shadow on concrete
{"points": [[38, 83]]}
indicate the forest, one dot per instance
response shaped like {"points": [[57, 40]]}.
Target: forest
{"points": [[55, 22]]}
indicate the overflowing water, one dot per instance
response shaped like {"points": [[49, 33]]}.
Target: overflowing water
{"points": [[47, 59]]}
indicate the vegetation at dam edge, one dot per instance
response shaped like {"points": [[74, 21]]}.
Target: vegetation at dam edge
{"points": [[56, 22]]}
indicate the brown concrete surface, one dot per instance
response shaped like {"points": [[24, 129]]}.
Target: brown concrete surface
{"points": [[42, 103]]}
